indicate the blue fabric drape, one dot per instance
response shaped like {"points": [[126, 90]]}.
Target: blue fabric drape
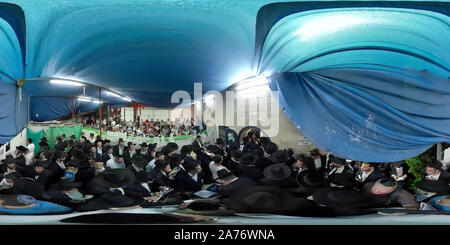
{"points": [[365, 114], [50, 108], [365, 84]]}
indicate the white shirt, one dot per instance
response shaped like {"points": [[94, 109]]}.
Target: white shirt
{"points": [[150, 165], [337, 170], [399, 171], [10, 170], [433, 177], [113, 164], [318, 163], [214, 168], [100, 151], [29, 158], [31, 147], [194, 177], [61, 165], [365, 175], [145, 185]]}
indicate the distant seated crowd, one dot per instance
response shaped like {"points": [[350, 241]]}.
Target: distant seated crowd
{"points": [[144, 128], [249, 176]]}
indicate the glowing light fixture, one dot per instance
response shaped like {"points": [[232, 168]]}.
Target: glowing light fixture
{"points": [[87, 99], [252, 82], [65, 82], [327, 24]]}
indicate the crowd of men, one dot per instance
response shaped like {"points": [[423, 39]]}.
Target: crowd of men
{"points": [[141, 127], [76, 172]]}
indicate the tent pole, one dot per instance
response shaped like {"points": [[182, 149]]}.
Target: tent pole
{"points": [[73, 111], [100, 110]]}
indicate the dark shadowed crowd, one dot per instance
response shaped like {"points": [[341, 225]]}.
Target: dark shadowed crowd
{"points": [[254, 175]]}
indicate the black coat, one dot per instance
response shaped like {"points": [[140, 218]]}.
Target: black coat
{"points": [[250, 171], [373, 177], [105, 157], [137, 191], [43, 178], [147, 156], [197, 147], [26, 186], [116, 148], [20, 161], [127, 157], [236, 186], [57, 172], [232, 165], [184, 183], [160, 180], [84, 175], [346, 176], [4, 167], [133, 170]]}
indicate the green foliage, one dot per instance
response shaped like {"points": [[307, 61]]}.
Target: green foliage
{"points": [[417, 168]]}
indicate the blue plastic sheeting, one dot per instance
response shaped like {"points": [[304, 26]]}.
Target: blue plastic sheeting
{"points": [[355, 91], [48, 108], [13, 115]]}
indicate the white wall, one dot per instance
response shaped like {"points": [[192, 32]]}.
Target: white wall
{"points": [[287, 135]]}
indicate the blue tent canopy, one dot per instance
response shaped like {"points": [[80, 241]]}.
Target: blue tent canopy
{"points": [[146, 50]]}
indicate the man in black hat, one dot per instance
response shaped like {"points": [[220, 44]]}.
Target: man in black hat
{"points": [[19, 155], [368, 173], [58, 167], [144, 152], [304, 163], [278, 175], [108, 154], [319, 160], [38, 173], [399, 171], [231, 184], [247, 166], [117, 162], [79, 174], [141, 189], [190, 179], [22, 185], [9, 165], [427, 189], [233, 162], [158, 156], [43, 144], [110, 180], [198, 145], [340, 174], [94, 154], [434, 172], [60, 146], [161, 175], [99, 147], [219, 147], [119, 147], [129, 153], [66, 193], [137, 165], [385, 192]]}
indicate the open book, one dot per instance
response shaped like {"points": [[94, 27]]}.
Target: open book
{"points": [[206, 194], [164, 193]]}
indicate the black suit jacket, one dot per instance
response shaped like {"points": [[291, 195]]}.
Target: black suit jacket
{"points": [[3, 169], [20, 161], [84, 175], [105, 157], [237, 185], [250, 171], [232, 165], [373, 177], [197, 147], [116, 148], [346, 176], [57, 172], [147, 156], [137, 191], [160, 180], [445, 176], [44, 177], [127, 157], [184, 183]]}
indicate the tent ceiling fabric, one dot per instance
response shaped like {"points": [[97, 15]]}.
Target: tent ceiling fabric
{"points": [[355, 91]]}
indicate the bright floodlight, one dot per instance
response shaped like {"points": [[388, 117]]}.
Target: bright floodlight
{"points": [[113, 94], [252, 82], [65, 82], [125, 98], [328, 24], [87, 99]]}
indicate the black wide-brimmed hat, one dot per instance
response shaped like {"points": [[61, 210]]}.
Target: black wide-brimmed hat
{"points": [[436, 165], [340, 197], [108, 200], [138, 161], [43, 144], [266, 199], [65, 185], [279, 156], [236, 153], [279, 171], [173, 145], [44, 139], [78, 154], [314, 152], [223, 173], [270, 148], [213, 149], [435, 186], [168, 149], [9, 159], [110, 178], [206, 207], [121, 140], [152, 146], [144, 144], [106, 141], [186, 149], [21, 148], [98, 140], [220, 141], [144, 177], [74, 163], [311, 179], [338, 160], [248, 158]]}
